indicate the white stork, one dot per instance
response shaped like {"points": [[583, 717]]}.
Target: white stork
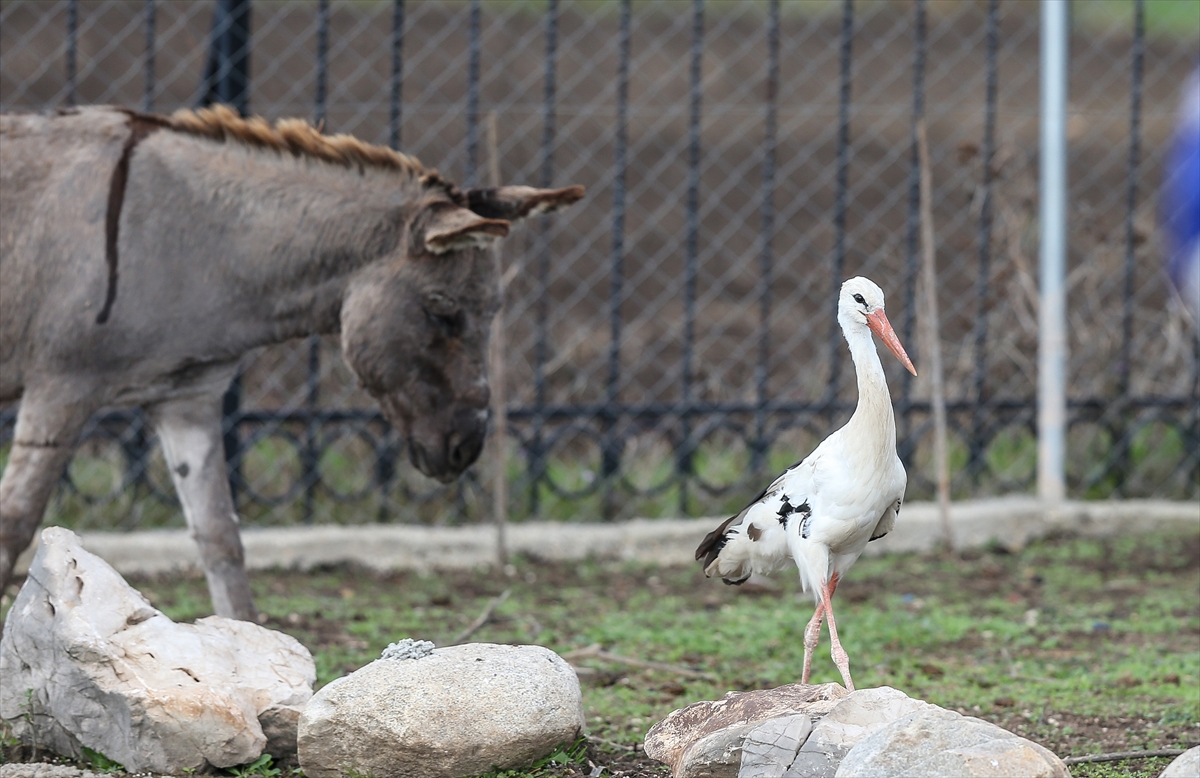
{"points": [[824, 510]]}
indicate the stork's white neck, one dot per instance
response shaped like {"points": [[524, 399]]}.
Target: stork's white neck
{"points": [[873, 425]]}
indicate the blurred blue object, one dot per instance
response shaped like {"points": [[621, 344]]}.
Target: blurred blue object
{"points": [[1181, 200]]}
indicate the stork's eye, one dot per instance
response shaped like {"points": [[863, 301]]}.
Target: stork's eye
{"points": [[858, 298]]}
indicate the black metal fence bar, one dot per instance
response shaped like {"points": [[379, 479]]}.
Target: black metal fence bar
{"points": [[840, 203], [227, 69], [542, 252], [978, 438], [1131, 190], [473, 33], [1091, 406], [148, 67], [72, 48], [758, 446], [692, 244], [611, 456], [395, 104], [912, 228], [310, 456], [227, 80]]}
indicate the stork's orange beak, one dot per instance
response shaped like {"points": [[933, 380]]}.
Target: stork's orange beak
{"points": [[879, 324]]}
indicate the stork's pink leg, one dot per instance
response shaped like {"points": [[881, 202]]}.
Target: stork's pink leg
{"points": [[812, 633], [839, 654]]}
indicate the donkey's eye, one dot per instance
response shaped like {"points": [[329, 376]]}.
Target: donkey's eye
{"points": [[449, 324], [858, 298]]}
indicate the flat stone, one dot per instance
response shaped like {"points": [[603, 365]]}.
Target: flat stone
{"points": [[669, 739], [861, 713], [85, 660], [770, 748], [1186, 765], [455, 711], [934, 743], [717, 755], [853, 718]]}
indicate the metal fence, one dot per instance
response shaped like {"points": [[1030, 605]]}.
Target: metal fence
{"points": [[671, 341]]}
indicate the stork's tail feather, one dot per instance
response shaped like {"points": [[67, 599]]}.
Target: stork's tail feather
{"points": [[710, 547]]}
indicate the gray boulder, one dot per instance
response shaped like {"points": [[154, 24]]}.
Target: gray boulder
{"points": [[861, 713], [449, 712], [718, 727], [716, 755], [85, 660], [823, 732], [1186, 765], [771, 747], [935, 742], [760, 749]]}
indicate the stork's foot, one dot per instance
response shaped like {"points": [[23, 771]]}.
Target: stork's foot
{"points": [[843, 665]]}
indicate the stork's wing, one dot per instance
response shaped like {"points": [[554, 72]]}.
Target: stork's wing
{"points": [[887, 522], [714, 541], [754, 540]]}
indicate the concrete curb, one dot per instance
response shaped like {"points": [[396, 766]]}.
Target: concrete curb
{"points": [[1011, 522]]}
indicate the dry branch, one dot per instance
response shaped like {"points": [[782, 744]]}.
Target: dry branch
{"points": [[933, 337], [481, 619], [594, 651]]}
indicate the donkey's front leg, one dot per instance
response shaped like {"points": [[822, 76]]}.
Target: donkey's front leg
{"points": [[190, 431], [47, 429]]}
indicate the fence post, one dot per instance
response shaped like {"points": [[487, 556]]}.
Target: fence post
{"points": [[1052, 306], [227, 80]]}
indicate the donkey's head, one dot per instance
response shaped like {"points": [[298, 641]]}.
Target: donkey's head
{"points": [[415, 327]]}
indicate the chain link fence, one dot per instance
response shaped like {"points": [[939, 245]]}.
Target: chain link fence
{"points": [[671, 342]]}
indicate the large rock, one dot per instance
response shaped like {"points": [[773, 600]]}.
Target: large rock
{"points": [[705, 737], [823, 732], [772, 746], [450, 712], [1186, 765], [86, 661], [716, 755], [935, 742], [858, 715]]}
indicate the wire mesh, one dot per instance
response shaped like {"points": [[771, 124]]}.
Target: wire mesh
{"points": [[671, 341]]}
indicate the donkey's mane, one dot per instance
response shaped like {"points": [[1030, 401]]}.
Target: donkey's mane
{"points": [[297, 137]]}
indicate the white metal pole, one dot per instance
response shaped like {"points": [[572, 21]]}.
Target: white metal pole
{"points": [[1052, 307]]}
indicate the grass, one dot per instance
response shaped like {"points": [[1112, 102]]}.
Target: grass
{"points": [[1085, 646]]}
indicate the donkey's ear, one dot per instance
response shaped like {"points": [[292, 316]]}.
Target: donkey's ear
{"points": [[452, 228], [517, 202]]}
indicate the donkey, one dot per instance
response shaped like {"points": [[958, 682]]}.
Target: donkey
{"points": [[142, 255]]}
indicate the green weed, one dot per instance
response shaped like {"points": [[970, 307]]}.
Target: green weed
{"points": [[101, 763], [260, 767], [574, 753]]}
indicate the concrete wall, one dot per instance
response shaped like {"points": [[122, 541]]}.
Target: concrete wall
{"points": [[1011, 522]]}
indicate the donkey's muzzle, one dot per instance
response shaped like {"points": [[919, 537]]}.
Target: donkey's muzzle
{"points": [[458, 450]]}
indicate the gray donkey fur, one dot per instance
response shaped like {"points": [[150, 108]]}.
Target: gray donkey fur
{"points": [[141, 256]]}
